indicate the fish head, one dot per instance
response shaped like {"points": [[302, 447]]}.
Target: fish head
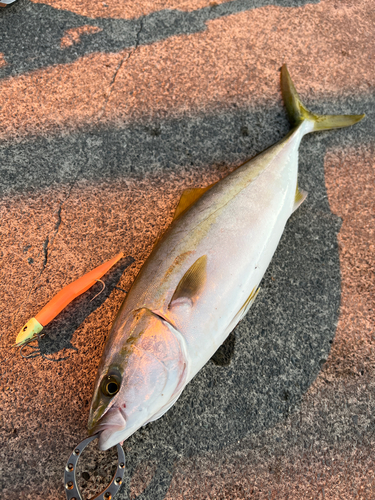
{"points": [[141, 373]]}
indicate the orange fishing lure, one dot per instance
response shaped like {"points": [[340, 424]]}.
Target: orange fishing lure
{"points": [[61, 300]]}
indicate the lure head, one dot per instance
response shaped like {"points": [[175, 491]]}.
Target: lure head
{"points": [[140, 373], [28, 332]]}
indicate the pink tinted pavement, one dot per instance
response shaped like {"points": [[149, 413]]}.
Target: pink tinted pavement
{"points": [[234, 61], [54, 229]]}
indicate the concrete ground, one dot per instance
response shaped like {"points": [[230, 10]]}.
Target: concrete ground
{"points": [[108, 111]]}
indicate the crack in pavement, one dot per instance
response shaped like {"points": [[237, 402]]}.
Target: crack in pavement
{"points": [[121, 63], [115, 34], [49, 241], [47, 246], [45, 251]]}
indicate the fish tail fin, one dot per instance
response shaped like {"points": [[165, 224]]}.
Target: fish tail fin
{"points": [[298, 113]]}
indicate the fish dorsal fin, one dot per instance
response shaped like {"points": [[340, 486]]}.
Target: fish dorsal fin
{"points": [[299, 198], [191, 283], [189, 197]]}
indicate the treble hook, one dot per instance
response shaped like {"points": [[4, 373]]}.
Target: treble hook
{"points": [[32, 354], [33, 348], [70, 479], [36, 351]]}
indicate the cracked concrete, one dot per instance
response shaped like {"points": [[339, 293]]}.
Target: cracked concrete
{"points": [[47, 248], [285, 408], [121, 63]]}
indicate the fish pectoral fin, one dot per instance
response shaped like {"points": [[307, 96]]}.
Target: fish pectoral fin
{"points": [[188, 198], [191, 284], [299, 198]]}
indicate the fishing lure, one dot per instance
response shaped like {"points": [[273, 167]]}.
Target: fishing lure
{"points": [[35, 325]]}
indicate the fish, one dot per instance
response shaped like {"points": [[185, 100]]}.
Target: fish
{"points": [[199, 280]]}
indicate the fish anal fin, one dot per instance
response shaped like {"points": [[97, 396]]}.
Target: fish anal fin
{"points": [[299, 198], [189, 197], [244, 309], [191, 284], [248, 303]]}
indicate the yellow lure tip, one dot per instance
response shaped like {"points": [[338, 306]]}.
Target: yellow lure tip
{"points": [[29, 331]]}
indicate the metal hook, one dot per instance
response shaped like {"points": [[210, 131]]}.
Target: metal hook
{"points": [[102, 282], [70, 479], [34, 349]]}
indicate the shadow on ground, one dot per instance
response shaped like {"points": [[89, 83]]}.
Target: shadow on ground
{"points": [[21, 43], [260, 375]]}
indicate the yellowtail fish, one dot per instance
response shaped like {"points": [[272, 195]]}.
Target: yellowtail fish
{"points": [[199, 281]]}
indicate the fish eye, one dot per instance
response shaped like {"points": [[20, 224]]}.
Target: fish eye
{"points": [[110, 385], [111, 388]]}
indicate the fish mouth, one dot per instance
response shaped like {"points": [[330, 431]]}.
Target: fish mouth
{"points": [[110, 427]]}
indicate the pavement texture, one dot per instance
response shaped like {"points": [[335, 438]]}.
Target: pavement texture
{"points": [[108, 111]]}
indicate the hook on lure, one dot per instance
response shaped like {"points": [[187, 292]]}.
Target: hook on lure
{"points": [[34, 326], [35, 351], [70, 476], [101, 291]]}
